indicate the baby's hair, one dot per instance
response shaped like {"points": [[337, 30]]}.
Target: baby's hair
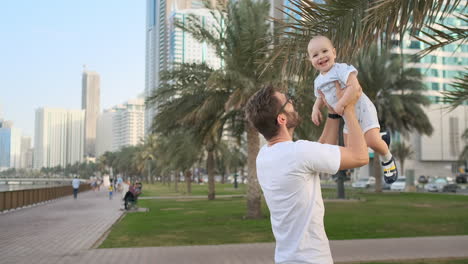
{"points": [[320, 36]]}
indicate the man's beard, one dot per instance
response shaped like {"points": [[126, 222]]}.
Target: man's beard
{"points": [[294, 120]]}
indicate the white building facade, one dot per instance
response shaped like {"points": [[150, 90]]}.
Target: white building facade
{"points": [[59, 137], [128, 125], [184, 48], [438, 155], [158, 26], [122, 125], [26, 155], [104, 134]]}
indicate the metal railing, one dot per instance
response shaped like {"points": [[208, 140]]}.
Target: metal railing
{"points": [[17, 199]]}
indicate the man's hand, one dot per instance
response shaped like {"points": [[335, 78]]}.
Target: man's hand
{"points": [[339, 108]]}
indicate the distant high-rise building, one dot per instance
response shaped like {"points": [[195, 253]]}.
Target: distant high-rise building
{"points": [[58, 137], [122, 125], [128, 124], [104, 134], [157, 42], [10, 146], [438, 154], [90, 102], [183, 47], [25, 158]]}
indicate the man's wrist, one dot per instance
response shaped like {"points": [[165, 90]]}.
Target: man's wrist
{"points": [[334, 116]]}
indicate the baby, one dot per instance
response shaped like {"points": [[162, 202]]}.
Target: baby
{"points": [[322, 55]]}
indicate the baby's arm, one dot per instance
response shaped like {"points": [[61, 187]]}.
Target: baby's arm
{"points": [[316, 114], [352, 87]]}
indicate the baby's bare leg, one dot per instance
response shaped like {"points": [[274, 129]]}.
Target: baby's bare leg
{"points": [[375, 142]]}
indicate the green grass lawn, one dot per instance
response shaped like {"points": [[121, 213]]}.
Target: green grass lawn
{"points": [[437, 261], [201, 222], [158, 189]]}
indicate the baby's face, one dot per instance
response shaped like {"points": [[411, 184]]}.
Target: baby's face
{"points": [[322, 55]]}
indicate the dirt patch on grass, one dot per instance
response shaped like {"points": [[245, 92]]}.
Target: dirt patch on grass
{"points": [[188, 200], [194, 212], [424, 205], [171, 209]]}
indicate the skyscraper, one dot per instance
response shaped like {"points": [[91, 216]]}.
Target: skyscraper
{"points": [[24, 154], [10, 145], [90, 102], [104, 135], [128, 123], [156, 48], [58, 137], [157, 43], [183, 48], [122, 125]]}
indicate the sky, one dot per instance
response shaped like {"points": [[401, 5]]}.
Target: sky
{"points": [[44, 45]]}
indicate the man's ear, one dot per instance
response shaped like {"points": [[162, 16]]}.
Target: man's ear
{"points": [[281, 119]]}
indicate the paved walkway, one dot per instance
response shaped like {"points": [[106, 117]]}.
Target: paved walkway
{"points": [[65, 230], [49, 232]]}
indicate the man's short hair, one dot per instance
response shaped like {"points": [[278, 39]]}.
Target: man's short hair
{"points": [[261, 111]]}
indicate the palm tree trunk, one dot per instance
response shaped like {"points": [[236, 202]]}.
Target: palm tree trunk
{"points": [[176, 181], [243, 174], [402, 169], [188, 180], [148, 177], [210, 170], [254, 197], [377, 173]]}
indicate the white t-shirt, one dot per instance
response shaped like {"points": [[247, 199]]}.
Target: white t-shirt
{"points": [[76, 183], [288, 175]]}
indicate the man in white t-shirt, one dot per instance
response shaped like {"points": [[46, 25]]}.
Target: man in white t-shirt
{"points": [[288, 172]]}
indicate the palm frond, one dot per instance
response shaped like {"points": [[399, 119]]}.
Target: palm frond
{"points": [[351, 25], [459, 95], [441, 35]]}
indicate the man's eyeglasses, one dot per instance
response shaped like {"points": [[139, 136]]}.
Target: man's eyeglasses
{"points": [[289, 99]]}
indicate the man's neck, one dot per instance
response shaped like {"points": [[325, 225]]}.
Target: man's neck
{"points": [[281, 137]]}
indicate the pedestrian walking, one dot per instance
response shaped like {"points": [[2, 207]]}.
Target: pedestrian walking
{"points": [[76, 186]]}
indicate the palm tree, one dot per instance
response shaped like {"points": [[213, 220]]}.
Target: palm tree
{"points": [[459, 95], [229, 158], [396, 94], [240, 33], [146, 154], [139, 159], [354, 25], [107, 160], [186, 101]]}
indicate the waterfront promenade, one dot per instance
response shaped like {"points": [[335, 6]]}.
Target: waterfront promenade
{"points": [[67, 231]]}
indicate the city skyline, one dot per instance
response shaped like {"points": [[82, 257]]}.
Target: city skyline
{"points": [[42, 61]]}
